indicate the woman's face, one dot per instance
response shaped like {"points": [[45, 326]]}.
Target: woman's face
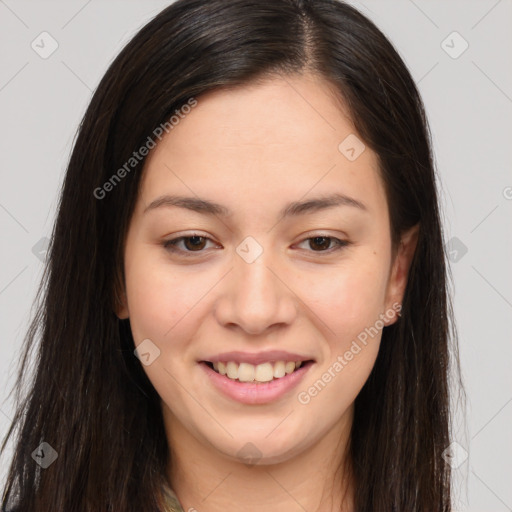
{"points": [[294, 263]]}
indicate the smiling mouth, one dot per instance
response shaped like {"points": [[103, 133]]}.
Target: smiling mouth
{"points": [[261, 373]]}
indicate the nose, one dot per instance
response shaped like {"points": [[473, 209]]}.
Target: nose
{"points": [[256, 297]]}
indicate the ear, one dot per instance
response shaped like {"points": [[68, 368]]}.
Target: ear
{"points": [[121, 305], [400, 271], [122, 312]]}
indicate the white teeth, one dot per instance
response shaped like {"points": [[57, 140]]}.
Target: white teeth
{"points": [[246, 372], [264, 372], [232, 370], [289, 367], [279, 369]]}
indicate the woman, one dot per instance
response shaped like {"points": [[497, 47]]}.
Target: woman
{"points": [[245, 301]]}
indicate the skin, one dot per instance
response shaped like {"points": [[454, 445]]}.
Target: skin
{"points": [[254, 149]]}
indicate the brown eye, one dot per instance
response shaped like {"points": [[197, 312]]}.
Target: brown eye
{"points": [[323, 243], [194, 242], [190, 244]]}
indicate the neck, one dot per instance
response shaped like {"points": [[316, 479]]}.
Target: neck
{"points": [[206, 480]]}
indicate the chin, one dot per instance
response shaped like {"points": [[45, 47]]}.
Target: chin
{"points": [[260, 448]]}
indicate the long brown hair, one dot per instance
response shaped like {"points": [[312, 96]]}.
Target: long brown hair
{"points": [[89, 398]]}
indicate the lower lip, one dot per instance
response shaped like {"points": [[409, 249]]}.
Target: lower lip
{"points": [[252, 393]]}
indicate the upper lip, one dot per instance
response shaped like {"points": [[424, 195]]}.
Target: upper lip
{"points": [[256, 358]]}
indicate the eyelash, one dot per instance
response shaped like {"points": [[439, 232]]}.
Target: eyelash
{"points": [[170, 245]]}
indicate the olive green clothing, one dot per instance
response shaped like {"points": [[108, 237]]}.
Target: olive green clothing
{"points": [[171, 500]]}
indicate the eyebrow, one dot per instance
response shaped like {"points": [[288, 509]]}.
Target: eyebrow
{"points": [[292, 209]]}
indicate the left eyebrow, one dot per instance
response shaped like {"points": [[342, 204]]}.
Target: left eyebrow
{"points": [[294, 208], [321, 203]]}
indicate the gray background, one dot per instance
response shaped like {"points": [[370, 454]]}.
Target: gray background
{"points": [[468, 98]]}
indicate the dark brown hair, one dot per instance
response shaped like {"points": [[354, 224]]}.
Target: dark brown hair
{"points": [[89, 397]]}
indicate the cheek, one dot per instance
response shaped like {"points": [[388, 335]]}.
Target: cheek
{"points": [[348, 298], [349, 302], [149, 300], [161, 306], [349, 305], [158, 298]]}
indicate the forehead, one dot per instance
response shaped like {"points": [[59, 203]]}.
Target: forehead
{"points": [[263, 141]]}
